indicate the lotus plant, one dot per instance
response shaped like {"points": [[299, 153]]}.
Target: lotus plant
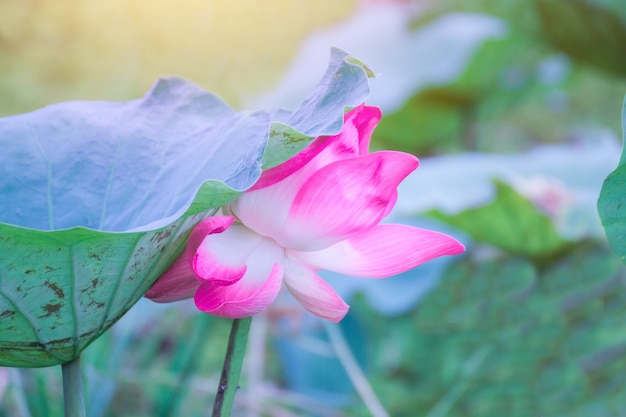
{"points": [[99, 198], [321, 209]]}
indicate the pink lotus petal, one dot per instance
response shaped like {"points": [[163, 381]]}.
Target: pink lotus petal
{"points": [[177, 283], [352, 141], [365, 121], [313, 292], [382, 251], [253, 293], [238, 300], [393, 199], [265, 207], [265, 211], [344, 198], [221, 257], [208, 226]]}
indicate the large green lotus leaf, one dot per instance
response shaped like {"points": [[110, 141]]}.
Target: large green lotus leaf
{"points": [[510, 222], [98, 198], [612, 203]]}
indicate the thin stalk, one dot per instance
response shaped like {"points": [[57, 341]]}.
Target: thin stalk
{"points": [[232, 368], [73, 397], [352, 368]]}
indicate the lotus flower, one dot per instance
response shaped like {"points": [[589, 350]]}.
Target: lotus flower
{"points": [[320, 209]]}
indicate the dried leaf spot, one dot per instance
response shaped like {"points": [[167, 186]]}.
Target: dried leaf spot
{"points": [[50, 309], [97, 304], [95, 256], [57, 291], [7, 314], [161, 236]]}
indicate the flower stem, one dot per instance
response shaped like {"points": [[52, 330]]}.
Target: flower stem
{"points": [[232, 368], [73, 398]]}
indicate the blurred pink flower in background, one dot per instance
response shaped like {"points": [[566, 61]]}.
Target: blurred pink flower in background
{"points": [[320, 209], [548, 194]]}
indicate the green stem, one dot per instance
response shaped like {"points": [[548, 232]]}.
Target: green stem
{"points": [[232, 368], [73, 397]]}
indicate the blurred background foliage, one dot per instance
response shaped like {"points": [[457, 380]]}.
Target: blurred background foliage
{"points": [[115, 50], [530, 322], [535, 85]]}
